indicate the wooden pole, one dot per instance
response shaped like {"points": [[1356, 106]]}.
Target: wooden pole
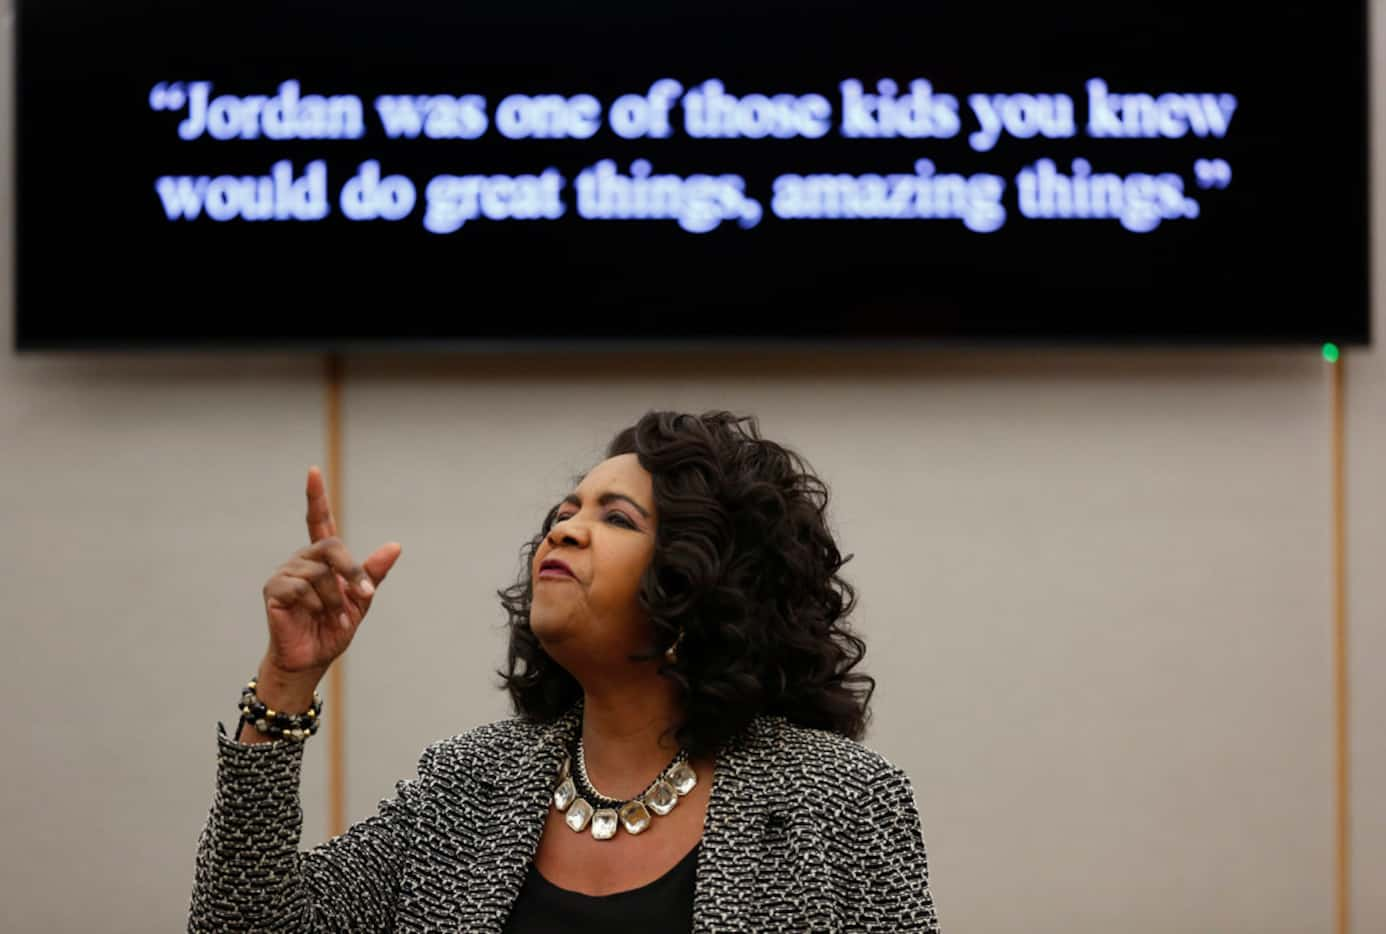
{"points": [[336, 677], [1343, 867]]}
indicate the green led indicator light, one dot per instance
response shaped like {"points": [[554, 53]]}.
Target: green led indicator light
{"points": [[1330, 353]]}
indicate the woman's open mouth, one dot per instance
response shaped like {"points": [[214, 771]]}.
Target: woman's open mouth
{"points": [[555, 569]]}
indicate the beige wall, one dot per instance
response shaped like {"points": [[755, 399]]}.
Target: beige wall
{"points": [[1096, 589]]}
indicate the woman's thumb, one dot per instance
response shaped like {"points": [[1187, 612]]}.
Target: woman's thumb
{"points": [[382, 560]]}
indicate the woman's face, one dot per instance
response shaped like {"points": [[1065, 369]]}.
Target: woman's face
{"points": [[604, 532]]}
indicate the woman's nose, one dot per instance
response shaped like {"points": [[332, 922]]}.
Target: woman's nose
{"points": [[569, 531]]}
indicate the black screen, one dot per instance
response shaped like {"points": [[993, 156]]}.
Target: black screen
{"points": [[338, 175]]}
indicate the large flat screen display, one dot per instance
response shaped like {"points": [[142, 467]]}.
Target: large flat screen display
{"points": [[338, 175]]}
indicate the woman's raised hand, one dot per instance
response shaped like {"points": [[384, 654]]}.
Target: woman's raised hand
{"points": [[315, 601]]}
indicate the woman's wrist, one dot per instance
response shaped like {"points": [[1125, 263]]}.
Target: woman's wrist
{"points": [[288, 692]]}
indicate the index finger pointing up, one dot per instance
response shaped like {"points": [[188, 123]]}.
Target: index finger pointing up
{"points": [[320, 522]]}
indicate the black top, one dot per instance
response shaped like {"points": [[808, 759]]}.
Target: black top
{"points": [[664, 906]]}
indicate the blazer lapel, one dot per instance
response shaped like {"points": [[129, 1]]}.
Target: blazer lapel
{"points": [[745, 822], [508, 804]]}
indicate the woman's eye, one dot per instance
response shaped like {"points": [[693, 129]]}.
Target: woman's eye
{"points": [[618, 517]]}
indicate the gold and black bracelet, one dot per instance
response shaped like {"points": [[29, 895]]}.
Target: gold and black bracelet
{"points": [[276, 723]]}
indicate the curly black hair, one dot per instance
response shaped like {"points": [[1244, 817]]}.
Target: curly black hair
{"points": [[744, 567]]}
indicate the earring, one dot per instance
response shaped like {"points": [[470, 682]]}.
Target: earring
{"points": [[671, 654]]}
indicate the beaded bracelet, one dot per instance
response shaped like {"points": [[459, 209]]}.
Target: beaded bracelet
{"points": [[278, 724]]}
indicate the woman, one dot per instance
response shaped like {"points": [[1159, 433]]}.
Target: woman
{"points": [[684, 754]]}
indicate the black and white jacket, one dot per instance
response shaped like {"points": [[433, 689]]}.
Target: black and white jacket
{"points": [[805, 831]]}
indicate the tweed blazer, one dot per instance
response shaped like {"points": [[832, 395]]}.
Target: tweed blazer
{"points": [[805, 831]]}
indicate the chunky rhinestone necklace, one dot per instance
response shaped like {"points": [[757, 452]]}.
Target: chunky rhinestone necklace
{"points": [[584, 806]]}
